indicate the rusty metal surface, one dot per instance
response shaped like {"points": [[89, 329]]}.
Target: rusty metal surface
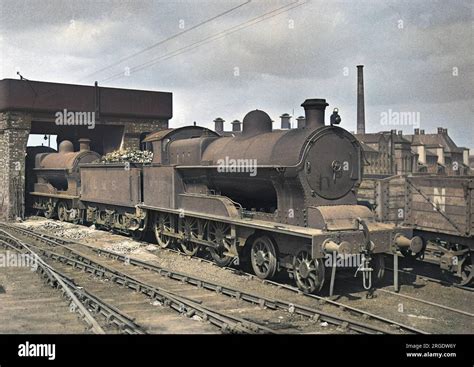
{"points": [[111, 184]]}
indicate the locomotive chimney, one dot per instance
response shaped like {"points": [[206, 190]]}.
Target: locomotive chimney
{"points": [[301, 122], [84, 144], [285, 121], [219, 125], [360, 100], [236, 125], [314, 112]]}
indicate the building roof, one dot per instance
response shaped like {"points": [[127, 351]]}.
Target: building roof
{"points": [[35, 96], [370, 137], [396, 137], [185, 132], [441, 139], [367, 148]]}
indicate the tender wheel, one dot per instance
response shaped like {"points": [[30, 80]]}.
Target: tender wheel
{"points": [[308, 272], [190, 228], [217, 234], [74, 216], [163, 223], [62, 212], [49, 211], [138, 235], [263, 257]]}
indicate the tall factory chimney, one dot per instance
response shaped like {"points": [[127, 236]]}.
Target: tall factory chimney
{"points": [[360, 100]]}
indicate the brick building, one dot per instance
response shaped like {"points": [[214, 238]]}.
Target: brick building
{"points": [[122, 118], [391, 152], [439, 154]]}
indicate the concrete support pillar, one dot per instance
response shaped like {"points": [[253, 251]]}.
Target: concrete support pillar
{"points": [[14, 131]]}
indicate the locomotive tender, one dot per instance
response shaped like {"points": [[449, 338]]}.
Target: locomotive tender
{"points": [[274, 199]]}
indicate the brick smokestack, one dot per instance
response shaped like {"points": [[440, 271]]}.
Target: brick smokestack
{"points": [[285, 121], [219, 125], [360, 100], [236, 125]]}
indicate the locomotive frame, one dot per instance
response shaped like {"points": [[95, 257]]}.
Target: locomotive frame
{"points": [[181, 196]]}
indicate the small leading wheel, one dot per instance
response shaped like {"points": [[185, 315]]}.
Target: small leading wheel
{"points": [[163, 223], [263, 257], [190, 228], [308, 272], [62, 212], [217, 234]]}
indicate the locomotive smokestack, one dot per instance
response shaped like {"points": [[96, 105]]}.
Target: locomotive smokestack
{"points": [[84, 144], [360, 100], [314, 112], [219, 125]]}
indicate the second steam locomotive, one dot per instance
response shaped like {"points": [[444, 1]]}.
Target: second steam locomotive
{"points": [[272, 199]]}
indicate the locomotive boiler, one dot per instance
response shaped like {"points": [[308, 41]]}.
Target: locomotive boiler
{"points": [[270, 200], [58, 177]]}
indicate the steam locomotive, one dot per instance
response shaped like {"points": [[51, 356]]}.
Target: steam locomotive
{"points": [[270, 199]]}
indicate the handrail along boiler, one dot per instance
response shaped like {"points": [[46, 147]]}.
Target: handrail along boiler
{"points": [[272, 199]]}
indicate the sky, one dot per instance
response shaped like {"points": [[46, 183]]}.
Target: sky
{"points": [[226, 58]]}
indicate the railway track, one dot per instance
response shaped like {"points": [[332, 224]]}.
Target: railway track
{"points": [[27, 302], [436, 263], [67, 267], [90, 259], [432, 279], [81, 301]]}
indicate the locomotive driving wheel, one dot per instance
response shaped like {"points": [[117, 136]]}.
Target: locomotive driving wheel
{"points": [[308, 272], [217, 234], [189, 227], [163, 223], [62, 212], [263, 257]]}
